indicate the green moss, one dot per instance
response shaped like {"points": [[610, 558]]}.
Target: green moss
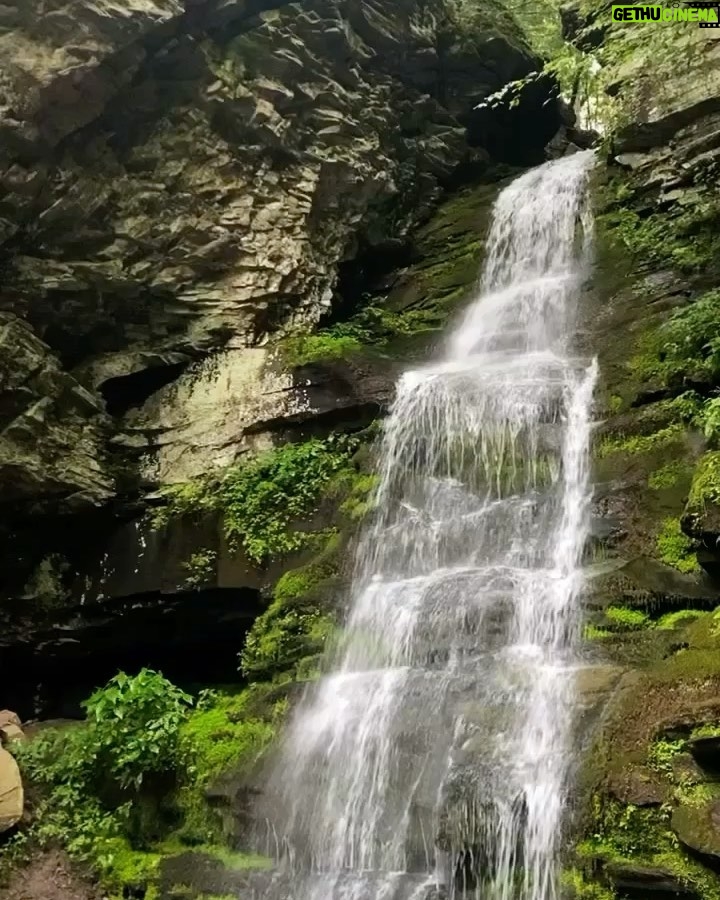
{"points": [[125, 871], [372, 327], [232, 860], [282, 637], [667, 476], [641, 443], [300, 620], [677, 240], [620, 618], [360, 499], [678, 618], [643, 836], [303, 350], [676, 549], [705, 486], [596, 633], [706, 731], [577, 886], [221, 733]]}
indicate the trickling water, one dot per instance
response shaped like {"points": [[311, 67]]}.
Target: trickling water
{"points": [[437, 751]]}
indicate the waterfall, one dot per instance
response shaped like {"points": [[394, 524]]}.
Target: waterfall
{"points": [[437, 752]]}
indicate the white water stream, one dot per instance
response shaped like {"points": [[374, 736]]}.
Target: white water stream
{"points": [[437, 753]]}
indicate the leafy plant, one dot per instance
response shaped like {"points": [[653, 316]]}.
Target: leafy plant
{"points": [[199, 567], [133, 726], [373, 326], [688, 344], [263, 500]]}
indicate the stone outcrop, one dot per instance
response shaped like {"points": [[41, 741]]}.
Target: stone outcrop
{"points": [[648, 814], [181, 186], [178, 181]]}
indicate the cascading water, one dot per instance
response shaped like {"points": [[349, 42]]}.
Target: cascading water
{"points": [[437, 751]]}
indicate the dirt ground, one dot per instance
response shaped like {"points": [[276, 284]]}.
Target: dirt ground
{"points": [[48, 877]]}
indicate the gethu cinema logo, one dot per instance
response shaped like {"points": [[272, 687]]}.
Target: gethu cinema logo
{"points": [[707, 15]]}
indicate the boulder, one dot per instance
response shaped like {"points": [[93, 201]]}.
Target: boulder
{"points": [[638, 786], [11, 792], [698, 827], [647, 881]]}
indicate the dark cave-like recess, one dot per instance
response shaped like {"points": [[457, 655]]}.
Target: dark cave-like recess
{"points": [[193, 638]]}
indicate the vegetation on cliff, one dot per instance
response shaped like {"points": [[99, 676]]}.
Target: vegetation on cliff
{"points": [[125, 790], [263, 501]]}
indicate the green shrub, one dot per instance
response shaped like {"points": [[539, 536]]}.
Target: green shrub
{"points": [[126, 787], [133, 726]]}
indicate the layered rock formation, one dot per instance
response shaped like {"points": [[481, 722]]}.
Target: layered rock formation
{"points": [[181, 186], [648, 810]]}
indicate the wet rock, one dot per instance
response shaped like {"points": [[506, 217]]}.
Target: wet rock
{"points": [[685, 770], [647, 880], [698, 827], [639, 786], [649, 584], [52, 427]]}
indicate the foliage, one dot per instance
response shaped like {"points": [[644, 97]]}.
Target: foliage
{"points": [[688, 344], [667, 476], [200, 567], [641, 443], [262, 500], [662, 753], [373, 326], [705, 486], [675, 548], [134, 724], [91, 776], [99, 780]]}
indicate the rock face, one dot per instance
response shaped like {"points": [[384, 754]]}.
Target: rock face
{"points": [[182, 184], [174, 180], [649, 814]]}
